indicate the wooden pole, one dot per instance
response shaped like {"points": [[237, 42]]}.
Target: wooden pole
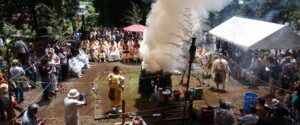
{"points": [[192, 56], [123, 103], [123, 112]]}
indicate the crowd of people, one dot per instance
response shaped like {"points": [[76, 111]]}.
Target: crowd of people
{"points": [[111, 45], [61, 60], [278, 69]]}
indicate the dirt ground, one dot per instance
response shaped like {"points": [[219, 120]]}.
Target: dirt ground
{"points": [[53, 111]]}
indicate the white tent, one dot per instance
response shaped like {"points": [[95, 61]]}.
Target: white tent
{"points": [[254, 34]]}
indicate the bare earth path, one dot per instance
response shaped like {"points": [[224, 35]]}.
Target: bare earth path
{"points": [[53, 111]]}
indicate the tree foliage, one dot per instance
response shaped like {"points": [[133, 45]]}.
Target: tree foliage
{"points": [[36, 14], [134, 15], [114, 12], [277, 11]]}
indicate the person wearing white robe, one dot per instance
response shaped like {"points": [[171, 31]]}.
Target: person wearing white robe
{"points": [[76, 66], [84, 58], [113, 54]]}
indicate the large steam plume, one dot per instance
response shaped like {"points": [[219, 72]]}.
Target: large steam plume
{"points": [[171, 23]]}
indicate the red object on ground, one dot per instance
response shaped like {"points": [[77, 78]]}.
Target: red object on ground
{"points": [[135, 28]]}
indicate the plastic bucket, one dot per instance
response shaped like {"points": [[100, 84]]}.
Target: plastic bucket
{"points": [[250, 100]]}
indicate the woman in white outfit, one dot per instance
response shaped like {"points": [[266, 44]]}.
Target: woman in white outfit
{"points": [[113, 54], [84, 58], [75, 65]]}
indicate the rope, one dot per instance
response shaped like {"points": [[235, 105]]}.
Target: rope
{"points": [[33, 63], [34, 100]]}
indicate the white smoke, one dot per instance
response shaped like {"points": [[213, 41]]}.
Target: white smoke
{"points": [[169, 17]]}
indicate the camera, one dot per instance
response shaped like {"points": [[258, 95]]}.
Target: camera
{"points": [[82, 97]]}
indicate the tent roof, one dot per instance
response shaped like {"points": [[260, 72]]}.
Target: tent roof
{"points": [[255, 34]]}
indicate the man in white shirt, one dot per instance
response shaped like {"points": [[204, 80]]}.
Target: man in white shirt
{"points": [[72, 103], [17, 74]]}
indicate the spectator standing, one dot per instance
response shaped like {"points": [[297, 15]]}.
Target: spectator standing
{"points": [[63, 55], [255, 67], [275, 71], [54, 63], [287, 73], [45, 72], [22, 51], [17, 76], [32, 70]]}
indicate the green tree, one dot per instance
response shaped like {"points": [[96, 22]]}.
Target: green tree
{"points": [[277, 11], [112, 11], [134, 15], [48, 22]]}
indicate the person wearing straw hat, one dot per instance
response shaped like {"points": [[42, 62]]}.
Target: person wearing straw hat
{"points": [[72, 103], [29, 117]]}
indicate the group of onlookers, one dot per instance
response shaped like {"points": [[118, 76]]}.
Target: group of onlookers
{"points": [[106, 45], [278, 113], [278, 69], [60, 60]]}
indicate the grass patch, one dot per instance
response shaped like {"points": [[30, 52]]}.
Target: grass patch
{"points": [[134, 101]]}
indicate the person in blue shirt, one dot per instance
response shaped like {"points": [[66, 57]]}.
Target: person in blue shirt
{"points": [[30, 118]]}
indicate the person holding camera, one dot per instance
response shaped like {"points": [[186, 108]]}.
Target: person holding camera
{"points": [[138, 120], [115, 80], [30, 118], [72, 102]]}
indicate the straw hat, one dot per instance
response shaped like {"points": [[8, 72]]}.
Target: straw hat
{"points": [[3, 88], [73, 93]]}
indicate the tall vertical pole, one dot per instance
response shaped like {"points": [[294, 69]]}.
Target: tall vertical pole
{"points": [[192, 56]]}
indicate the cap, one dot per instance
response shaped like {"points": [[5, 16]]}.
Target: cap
{"points": [[275, 102]]}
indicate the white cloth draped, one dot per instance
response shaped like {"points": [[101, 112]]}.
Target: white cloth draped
{"points": [[76, 65]]}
